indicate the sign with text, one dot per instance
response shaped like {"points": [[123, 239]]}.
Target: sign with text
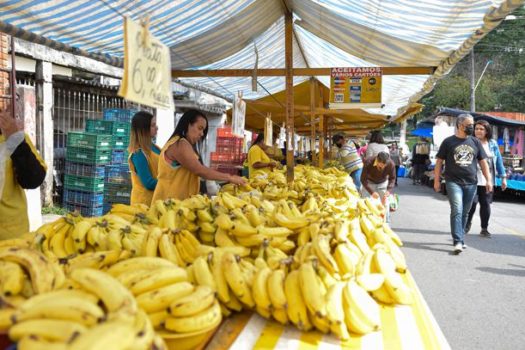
{"points": [[147, 68], [355, 87], [238, 115]]}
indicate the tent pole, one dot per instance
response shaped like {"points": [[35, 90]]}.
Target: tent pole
{"points": [[288, 35], [313, 89]]}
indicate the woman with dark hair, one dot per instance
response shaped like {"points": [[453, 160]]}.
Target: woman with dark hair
{"points": [[258, 161], [143, 157], [483, 131], [179, 166], [376, 145]]}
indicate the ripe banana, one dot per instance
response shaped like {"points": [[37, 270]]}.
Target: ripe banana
{"points": [[207, 319], [109, 335], [96, 260], [6, 318], [311, 290], [217, 270], [158, 318], [11, 278], [152, 244], [203, 274], [261, 291], [289, 222], [224, 222], [276, 289], [361, 310], [235, 279], [169, 251], [79, 235], [321, 248], [297, 311], [54, 330], [139, 263], [33, 342], [201, 299], [159, 299], [159, 278], [335, 310]]}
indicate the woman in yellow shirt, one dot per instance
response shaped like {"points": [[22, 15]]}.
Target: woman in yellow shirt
{"points": [[180, 168], [143, 157], [258, 161]]}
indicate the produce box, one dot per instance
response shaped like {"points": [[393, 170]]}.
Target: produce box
{"points": [[93, 199], [79, 169], [120, 142], [83, 183], [119, 114], [86, 211], [108, 127], [88, 156], [118, 174], [89, 140]]}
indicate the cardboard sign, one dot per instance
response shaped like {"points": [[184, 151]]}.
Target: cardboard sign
{"points": [[268, 132], [238, 115], [147, 68], [355, 87]]}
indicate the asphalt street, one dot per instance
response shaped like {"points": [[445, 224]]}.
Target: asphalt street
{"points": [[477, 297]]}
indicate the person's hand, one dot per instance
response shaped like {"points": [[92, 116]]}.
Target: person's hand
{"points": [[489, 187], [237, 180], [8, 124], [504, 184], [375, 195], [437, 186]]}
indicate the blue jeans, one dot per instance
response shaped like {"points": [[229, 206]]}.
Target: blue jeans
{"points": [[356, 176], [460, 198]]}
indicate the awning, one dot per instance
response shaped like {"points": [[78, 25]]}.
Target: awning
{"points": [[329, 33], [493, 120]]}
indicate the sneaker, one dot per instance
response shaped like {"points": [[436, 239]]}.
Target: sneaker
{"points": [[464, 246], [485, 233], [468, 226], [458, 248]]}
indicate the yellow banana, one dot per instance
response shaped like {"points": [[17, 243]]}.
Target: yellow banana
{"points": [[311, 290], [206, 319], [204, 215], [169, 251], [159, 299], [152, 243], [344, 260], [159, 278], [33, 342], [370, 281], [54, 330], [260, 290], [11, 278], [321, 248], [290, 223], [110, 335], [335, 310], [148, 263], [203, 274], [96, 260], [79, 234], [276, 289], [253, 215], [6, 318], [297, 311], [158, 318], [235, 279], [201, 299], [217, 270], [222, 239], [207, 227], [40, 269], [280, 315], [362, 314]]}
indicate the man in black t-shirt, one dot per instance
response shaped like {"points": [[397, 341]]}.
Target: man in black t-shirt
{"points": [[461, 153]]}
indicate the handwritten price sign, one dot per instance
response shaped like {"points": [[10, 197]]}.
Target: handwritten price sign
{"points": [[147, 68]]}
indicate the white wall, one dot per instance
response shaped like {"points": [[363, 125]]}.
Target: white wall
{"points": [[166, 124]]}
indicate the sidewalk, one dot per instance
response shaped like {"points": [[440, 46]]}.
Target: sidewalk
{"points": [[476, 296]]}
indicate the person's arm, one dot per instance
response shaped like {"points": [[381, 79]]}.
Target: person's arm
{"points": [[29, 168], [257, 157], [437, 174], [486, 172], [140, 162], [183, 153]]}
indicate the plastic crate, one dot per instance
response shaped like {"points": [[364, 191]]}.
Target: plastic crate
{"points": [[120, 142], [225, 149], [86, 211], [224, 157], [79, 169], [84, 183], [108, 127], [119, 114], [93, 199], [119, 157], [118, 174], [89, 140], [88, 156], [228, 169], [117, 193]]}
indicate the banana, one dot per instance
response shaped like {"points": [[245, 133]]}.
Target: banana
{"points": [[314, 229], [251, 240], [365, 263], [158, 318], [370, 281], [253, 215], [201, 299], [152, 243], [190, 270], [69, 246], [235, 279], [33, 342], [321, 248], [56, 295], [144, 332], [397, 255], [185, 251], [394, 284], [241, 229], [11, 278], [325, 276], [274, 231], [54, 330], [297, 311], [96, 238], [56, 244], [276, 289], [206, 319], [232, 202], [207, 227], [291, 223], [96, 260], [260, 290], [238, 215], [159, 278], [112, 293], [204, 215], [203, 274], [40, 269], [382, 295], [79, 235], [159, 299], [280, 315], [109, 335], [114, 239], [345, 260], [311, 290], [149, 263], [169, 251], [303, 237], [6, 318], [397, 240], [362, 314], [217, 270], [335, 310], [187, 213], [222, 239], [71, 308], [234, 303], [321, 324]]}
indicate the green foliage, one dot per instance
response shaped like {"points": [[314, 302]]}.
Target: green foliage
{"points": [[54, 210]]}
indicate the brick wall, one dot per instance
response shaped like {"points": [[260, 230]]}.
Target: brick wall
{"points": [[510, 115]]}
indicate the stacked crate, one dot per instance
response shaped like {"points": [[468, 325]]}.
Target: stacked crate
{"points": [[228, 156], [86, 156]]}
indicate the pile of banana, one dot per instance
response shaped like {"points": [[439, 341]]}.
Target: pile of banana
{"points": [[166, 293], [98, 313]]}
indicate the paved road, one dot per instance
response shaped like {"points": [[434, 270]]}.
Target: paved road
{"points": [[476, 297]]}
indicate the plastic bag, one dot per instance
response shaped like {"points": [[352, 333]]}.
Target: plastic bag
{"points": [[393, 201]]}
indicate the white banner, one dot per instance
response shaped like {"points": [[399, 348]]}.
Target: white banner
{"points": [[268, 132], [238, 115]]}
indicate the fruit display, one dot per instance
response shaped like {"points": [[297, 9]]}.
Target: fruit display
{"points": [[312, 254]]}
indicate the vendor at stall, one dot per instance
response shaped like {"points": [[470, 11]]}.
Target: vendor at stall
{"points": [[20, 167], [180, 168], [143, 157], [258, 161]]}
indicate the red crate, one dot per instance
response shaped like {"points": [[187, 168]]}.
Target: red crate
{"points": [[218, 157], [224, 132], [225, 149], [228, 169]]}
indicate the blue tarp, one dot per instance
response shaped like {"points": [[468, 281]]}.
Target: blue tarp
{"points": [[512, 184], [423, 132]]}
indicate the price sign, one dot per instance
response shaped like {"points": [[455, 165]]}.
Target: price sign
{"points": [[355, 87], [147, 68]]}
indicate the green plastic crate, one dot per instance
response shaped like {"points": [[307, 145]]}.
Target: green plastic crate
{"points": [[120, 142], [89, 140], [84, 183], [108, 127], [88, 156]]}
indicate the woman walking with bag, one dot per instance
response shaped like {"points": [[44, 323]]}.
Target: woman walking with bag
{"points": [[483, 131]]}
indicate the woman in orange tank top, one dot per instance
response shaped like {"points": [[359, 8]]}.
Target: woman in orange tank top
{"points": [[179, 169]]}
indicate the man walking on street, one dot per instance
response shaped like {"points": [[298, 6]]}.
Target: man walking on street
{"points": [[349, 158], [378, 179], [461, 153]]}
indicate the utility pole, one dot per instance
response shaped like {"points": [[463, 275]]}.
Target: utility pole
{"points": [[472, 82]]}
